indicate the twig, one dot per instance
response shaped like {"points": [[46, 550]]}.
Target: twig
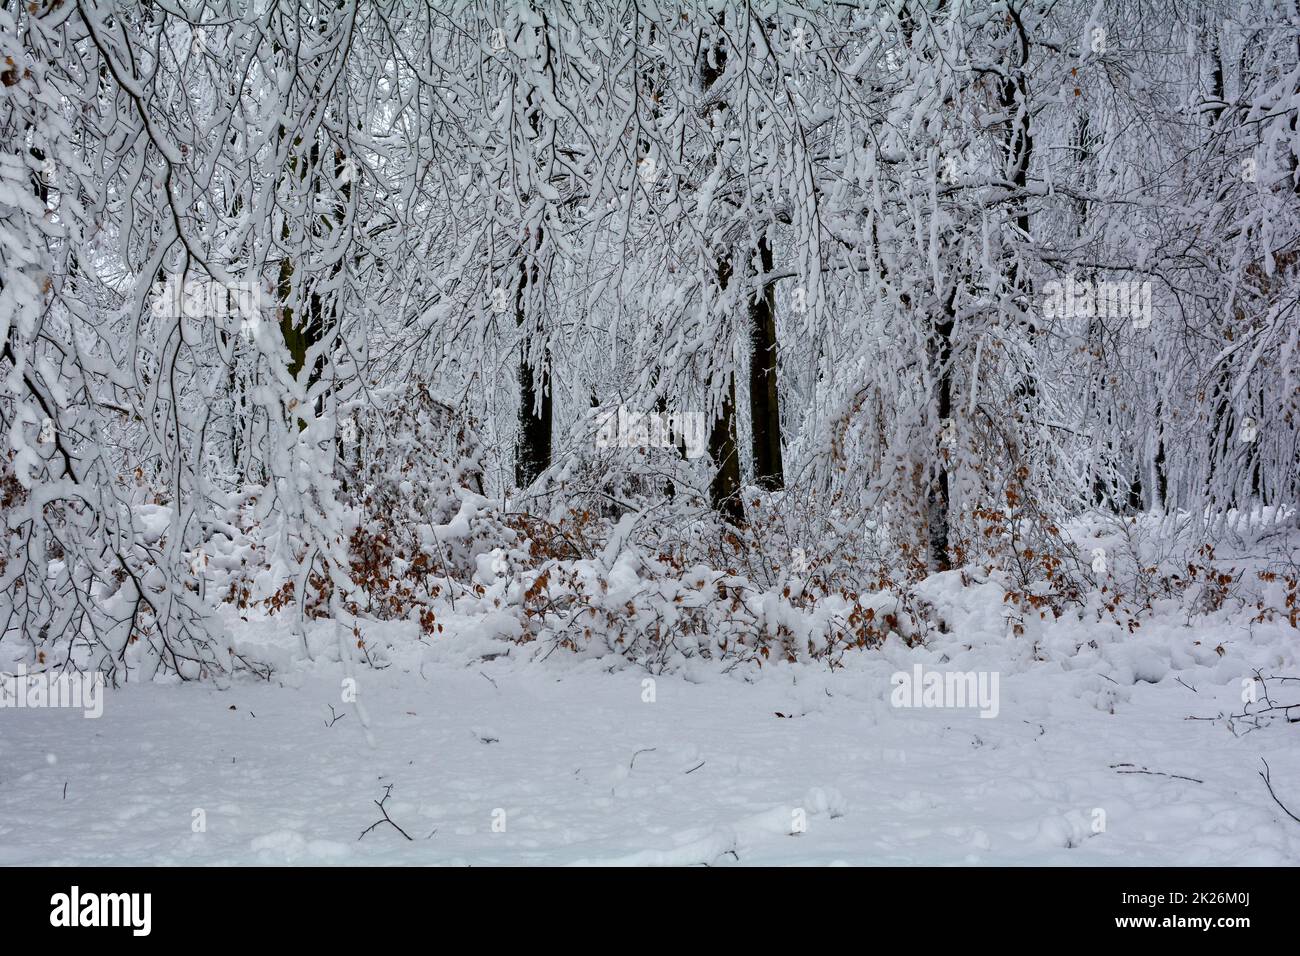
{"points": [[488, 679], [696, 767], [647, 750], [720, 855], [388, 792], [1155, 773], [1268, 783], [335, 717]]}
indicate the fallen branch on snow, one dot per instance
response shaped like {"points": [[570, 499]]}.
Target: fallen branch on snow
{"points": [[1123, 768], [388, 792], [1264, 776]]}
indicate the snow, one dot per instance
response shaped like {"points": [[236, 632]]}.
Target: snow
{"points": [[570, 761]]}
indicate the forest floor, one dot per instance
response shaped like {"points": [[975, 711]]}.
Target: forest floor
{"points": [[1091, 759]]}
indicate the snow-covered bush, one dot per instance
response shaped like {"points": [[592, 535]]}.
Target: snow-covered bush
{"points": [[418, 288]]}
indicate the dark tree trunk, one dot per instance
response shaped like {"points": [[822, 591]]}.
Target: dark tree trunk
{"points": [[724, 490], [533, 455], [1222, 427], [1253, 457], [1135, 491], [764, 396], [1162, 471], [937, 498], [301, 332]]}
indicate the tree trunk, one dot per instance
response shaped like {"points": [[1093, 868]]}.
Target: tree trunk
{"points": [[764, 396], [1162, 471], [937, 498], [533, 455], [724, 490]]}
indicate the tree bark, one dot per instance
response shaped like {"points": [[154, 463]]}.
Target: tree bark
{"points": [[724, 490], [764, 395], [533, 454], [937, 499]]}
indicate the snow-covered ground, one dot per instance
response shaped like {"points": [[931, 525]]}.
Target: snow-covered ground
{"points": [[519, 761]]}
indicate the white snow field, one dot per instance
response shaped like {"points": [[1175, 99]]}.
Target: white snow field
{"points": [[518, 760]]}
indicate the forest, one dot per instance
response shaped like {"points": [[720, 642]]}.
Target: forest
{"points": [[713, 342]]}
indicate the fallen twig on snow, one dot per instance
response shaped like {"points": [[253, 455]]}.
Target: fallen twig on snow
{"points": [[1264, 776], [388, 792], [1120, 768]]}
